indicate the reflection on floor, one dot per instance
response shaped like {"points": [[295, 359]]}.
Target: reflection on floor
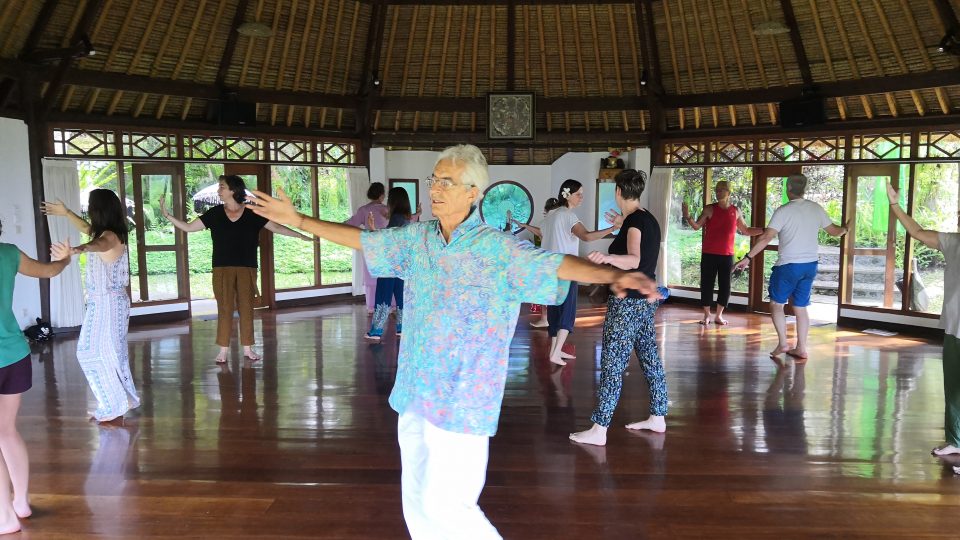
{"points": [[303, 444]]}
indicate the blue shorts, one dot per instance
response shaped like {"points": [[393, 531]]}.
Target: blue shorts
{"points": [[793, 281]]}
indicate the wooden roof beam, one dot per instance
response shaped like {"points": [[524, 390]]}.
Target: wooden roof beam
{"points": [[89, 16], [231, 44], [947, 15]]}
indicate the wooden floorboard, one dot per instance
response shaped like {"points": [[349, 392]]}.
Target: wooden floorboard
{"points": [[303, 444]]}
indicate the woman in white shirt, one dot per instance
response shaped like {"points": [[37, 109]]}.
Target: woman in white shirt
{"points": [[562, 232]]}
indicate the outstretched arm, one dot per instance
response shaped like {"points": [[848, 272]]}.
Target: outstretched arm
{"points": [[836, 230], [281, 210], [60, 258], [107, 241], [745, 229], [531, 228], [286, 231], [695, 225], [185, 226], [577, 269], [630, 261], [929, 238], [764, 239], [60, 209]]}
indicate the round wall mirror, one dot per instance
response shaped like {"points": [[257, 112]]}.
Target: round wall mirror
{"points": [[504, 201]]}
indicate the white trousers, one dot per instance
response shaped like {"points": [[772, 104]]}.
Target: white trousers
{"points": [[443, 475]]}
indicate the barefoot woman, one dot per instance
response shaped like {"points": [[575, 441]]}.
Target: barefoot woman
{"points": [[235, 232], [628, 325], [15, 379]]}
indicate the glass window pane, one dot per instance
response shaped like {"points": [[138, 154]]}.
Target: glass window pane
{"points": [[157, 230], [607, 197], [935, 206], [293, 259], [877, 258], [682, 240], [336, 262], [200, 183], [825, 187], [740, 180], [162, 275]]}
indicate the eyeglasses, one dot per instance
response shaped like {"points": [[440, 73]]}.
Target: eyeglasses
{"points": [[442, 183]]}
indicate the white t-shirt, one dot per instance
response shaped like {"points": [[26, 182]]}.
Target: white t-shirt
{"points": [[797, 224], [950, 316], [556, 232]]}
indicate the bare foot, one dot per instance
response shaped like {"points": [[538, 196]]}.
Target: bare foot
{"points": [[539, 324], [797, 353], [557, 360], [8, 521], [705, 321], [721, 321], [22, 509], [945, 450], [654, 423], [251, 354], [222, 356], [597, 436], [779, 350], [566, 356]]}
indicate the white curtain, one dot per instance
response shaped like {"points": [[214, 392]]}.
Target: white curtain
{"points": [[358, 180], [61, 183], [660, 189]]}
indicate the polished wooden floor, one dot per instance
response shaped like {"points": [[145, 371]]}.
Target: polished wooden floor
{"points": [[303, 444]]}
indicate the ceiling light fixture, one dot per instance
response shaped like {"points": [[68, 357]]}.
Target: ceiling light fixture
{"points": [[254, 29]]}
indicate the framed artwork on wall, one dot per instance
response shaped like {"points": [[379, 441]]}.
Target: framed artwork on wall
{"points": [[511, 116]]}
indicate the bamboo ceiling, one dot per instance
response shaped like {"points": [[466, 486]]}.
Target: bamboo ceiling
{"points": [[161, 61]]}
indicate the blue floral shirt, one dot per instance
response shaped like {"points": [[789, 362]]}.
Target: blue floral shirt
{"points": [[461, 302]]}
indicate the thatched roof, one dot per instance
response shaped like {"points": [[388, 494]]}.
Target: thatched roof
{"points": [[707, 61]]}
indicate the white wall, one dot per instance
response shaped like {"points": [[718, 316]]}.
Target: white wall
{"points": [[17, 213], [542, 181]]}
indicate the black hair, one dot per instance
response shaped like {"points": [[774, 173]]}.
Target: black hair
{"points": [[569, 184], [106, 214], [236, 186], [375, 191], [399, 202], [631, 183], [551, 204]]}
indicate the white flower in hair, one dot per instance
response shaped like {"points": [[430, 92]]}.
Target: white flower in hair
{"points": [[565, 193]]}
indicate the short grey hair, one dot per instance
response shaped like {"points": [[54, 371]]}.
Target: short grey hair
{"points": [[797, 184], [475, 171]]}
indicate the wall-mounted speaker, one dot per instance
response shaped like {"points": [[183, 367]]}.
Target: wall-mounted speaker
{"points": [[801, 112], [231, 113]]}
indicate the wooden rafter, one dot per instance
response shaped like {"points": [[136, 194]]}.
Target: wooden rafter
{"points": [[94, 37], [441, 76], [315, 67], [144, 39], [751, 109], [651, 62], [671, 42], [187, 47], [724, 76], [790, 18], [872, 49], [17, 21], [822, 37], [701, 42], [231, 44], [474, 65], [425, 61], [598, 62], [302, 53], [349, 63], [461, 48], [561, 50], [888, 31], [188, 103], [368, 76], [635, 44], [406, 61], [331, 64], [95, 95], [942, 98], [756, 55], [90, 13], [616, 63], [284, 57], [265, 66], [158, 58], [848, 49]]}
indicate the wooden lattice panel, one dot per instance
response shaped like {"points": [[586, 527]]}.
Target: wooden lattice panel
{"points": [[732, 151], [685, 153], [290, 151], [802, 150], [336, 153], [874, 147], [939, 144], [149, 145], [213, 148], [84, 142]]}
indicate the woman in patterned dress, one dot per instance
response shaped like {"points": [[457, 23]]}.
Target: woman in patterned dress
{"points": [[102, 347], [16, 377]]}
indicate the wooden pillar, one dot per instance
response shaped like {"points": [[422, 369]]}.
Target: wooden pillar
{"points": [[36, 137]]}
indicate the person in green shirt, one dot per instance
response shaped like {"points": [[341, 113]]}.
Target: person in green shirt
{"points": [[16, 377]]}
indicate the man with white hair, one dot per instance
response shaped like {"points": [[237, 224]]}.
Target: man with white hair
{"points": [[797, 224], [466, 282]]}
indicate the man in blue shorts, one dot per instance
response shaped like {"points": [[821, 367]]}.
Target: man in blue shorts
{"points": [[797, 224]]}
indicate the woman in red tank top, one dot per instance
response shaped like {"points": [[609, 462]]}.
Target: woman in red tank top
{"points": [[720, 221]]}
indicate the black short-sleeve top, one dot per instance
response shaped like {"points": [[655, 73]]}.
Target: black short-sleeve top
{"points": [[234, 242], [649, 229]]}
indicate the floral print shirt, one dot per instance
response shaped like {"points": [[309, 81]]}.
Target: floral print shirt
{"points": [[461, 302]]}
